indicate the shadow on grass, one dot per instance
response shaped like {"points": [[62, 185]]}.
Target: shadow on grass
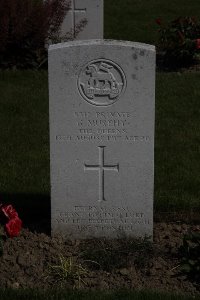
{"points": [[33, 209]]}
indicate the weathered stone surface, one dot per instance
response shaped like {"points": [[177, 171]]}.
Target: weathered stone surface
{"points": [[92, 11], [102, 138]]}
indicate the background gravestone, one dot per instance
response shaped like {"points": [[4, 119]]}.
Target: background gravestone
{"points": [[92, 11], [102, 138]]}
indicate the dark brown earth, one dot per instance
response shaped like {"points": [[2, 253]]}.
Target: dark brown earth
{"points": [[27, 262]]}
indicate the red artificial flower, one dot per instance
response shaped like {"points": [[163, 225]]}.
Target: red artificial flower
{"points": [[198, 43], [158, 21], [9, 211], [13, 227]]}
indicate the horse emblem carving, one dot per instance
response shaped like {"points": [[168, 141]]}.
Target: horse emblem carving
{"points": [[102, 79]]}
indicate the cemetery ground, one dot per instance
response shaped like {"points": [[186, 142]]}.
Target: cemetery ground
{"points": [[28, 260], [31, 260]]}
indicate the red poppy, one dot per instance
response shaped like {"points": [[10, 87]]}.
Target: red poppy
{"points": [[9, 211], [13, 227], [158, 21], [198, 43]]}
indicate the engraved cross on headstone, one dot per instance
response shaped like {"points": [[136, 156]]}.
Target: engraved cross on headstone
{"points": [[74, 11], [101, 167]]}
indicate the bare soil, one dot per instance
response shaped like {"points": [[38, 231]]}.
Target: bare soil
{"points": [[27, 262]]}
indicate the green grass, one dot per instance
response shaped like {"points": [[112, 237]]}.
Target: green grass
{"points": [[79, 295], [24, 157], [24, 152], [177, 140], [134, 20]]}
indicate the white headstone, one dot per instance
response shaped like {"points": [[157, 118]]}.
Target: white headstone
{"points": [[102, 138], [92, 11]]}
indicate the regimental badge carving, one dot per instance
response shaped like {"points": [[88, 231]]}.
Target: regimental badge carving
{"points": [[101, 82]]}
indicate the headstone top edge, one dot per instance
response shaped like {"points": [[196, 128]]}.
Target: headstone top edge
{"points": [[102, 42]]}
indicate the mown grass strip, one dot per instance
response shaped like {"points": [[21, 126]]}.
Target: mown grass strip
{"points": [[9, 294]]}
